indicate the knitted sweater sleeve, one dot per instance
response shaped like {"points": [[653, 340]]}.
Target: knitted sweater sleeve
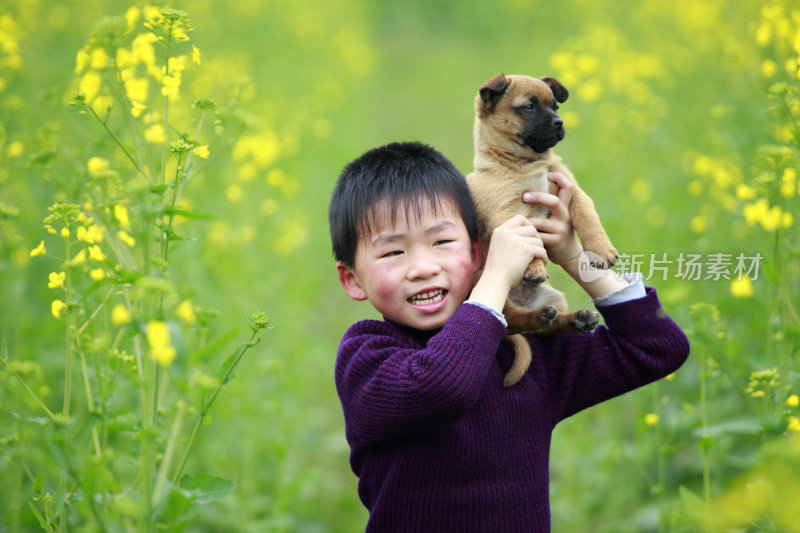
{"points": [[391, 382], [639, 344]]}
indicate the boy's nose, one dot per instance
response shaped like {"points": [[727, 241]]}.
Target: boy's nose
{"points": [[423, 267]]}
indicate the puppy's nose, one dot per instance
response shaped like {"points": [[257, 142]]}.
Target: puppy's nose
{"points": [[558, 123]]}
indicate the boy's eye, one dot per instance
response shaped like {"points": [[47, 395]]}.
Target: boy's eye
{"points": [[442, 241], [392, 253]]}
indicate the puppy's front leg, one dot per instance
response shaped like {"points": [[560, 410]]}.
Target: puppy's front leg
{"points": [[589, 228]]}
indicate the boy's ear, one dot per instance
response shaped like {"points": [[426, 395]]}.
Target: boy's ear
{"points": [[477, 254], [350, 283]]}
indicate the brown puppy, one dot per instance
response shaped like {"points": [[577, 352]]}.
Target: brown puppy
{"points": [[516, 127]]}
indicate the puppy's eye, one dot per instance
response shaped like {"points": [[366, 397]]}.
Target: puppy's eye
{"points": [[529, 107]]}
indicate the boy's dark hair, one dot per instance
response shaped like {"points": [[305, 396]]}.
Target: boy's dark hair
{"points": [[406, 173]]}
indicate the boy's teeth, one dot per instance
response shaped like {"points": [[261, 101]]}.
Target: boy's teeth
{"points": [[427, 297]]}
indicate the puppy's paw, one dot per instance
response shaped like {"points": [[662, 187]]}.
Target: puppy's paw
{"points": [[535, 273], [585, 320], [606, 254], [547, 315]]}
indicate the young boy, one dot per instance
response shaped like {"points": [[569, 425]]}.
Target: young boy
{"points": [[437, 443]]}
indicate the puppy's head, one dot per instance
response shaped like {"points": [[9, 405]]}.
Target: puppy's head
{"points": [[523, 109]]}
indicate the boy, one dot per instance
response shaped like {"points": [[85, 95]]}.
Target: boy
{"points": [[437, 443]]}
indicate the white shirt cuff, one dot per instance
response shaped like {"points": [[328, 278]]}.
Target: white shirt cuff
{"points": [[633, 291]]}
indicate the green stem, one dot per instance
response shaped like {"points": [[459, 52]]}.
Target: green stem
{"points": [[27, 388], [68, 367], [119, 142], [207, 405], [705, 444], [147, 459], [168, 454]]}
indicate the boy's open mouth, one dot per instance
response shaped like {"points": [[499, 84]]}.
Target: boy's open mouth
{"points": [[427, 297]]}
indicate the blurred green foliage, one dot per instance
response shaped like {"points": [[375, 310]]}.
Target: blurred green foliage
{"points": [[682, 125]]}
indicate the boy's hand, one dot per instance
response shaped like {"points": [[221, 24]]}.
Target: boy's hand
{"points": [[514, 244], [556, 232]]}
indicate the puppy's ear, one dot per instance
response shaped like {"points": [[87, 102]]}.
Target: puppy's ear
{"points": [[559, 91], [492, 90]]}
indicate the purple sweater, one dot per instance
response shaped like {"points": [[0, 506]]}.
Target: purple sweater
{"points": [[440, 446]]}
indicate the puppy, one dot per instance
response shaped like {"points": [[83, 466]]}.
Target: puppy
{"points": [[516, 127]]}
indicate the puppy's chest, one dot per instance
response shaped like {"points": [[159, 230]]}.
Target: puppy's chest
{"points": [[534, 183]]}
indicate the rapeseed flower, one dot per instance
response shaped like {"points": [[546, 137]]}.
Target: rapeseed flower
{"points": [[196, 55], [651, 419], [793, 401], [56, 280], [90, 235], [158, 338], [126, 238], [121, 214], [57, 307], [698, 224], [794, 424], [65, 232], [185, 311], [120, 315], [742, 288], [39, 250], [201, 151], [789, 183], [96, 254], [97, 274], [97, 164], [155, 134]]}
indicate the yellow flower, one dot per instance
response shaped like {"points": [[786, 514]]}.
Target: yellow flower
{"points": [[127, 239], [196, 55], [793, 401], [651, 419], [96, 254], [57, 307], [171, 84], [695, 188], [769, 68], [90, 235], [742, 288], [120, 315], [79, 258], [82, 60], [97, 164], [185, 311], [121, 214], [56, 280], [137, 89], [745, 192], [201, 151], [39, 250], [98, 58], [755, 212], [89, 85], [788, 183], [155, 134], [698, 224], [794, 424], [234, 193], [137, 109], [97, 274], [15, 149], [131, 16], [65, 232], [670, 377], [158, 338]]}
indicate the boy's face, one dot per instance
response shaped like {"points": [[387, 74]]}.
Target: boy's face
{"points": [[417, 271]]}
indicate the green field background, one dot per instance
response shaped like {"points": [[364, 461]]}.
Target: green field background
{"points": [[682, 117]]}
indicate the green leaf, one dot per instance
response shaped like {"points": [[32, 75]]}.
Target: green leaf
{"points": [[228, 368], [188, 213], [739, 426], [42, 522], [692, 504], [175, 504], [205, 488], [211, 350]]}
